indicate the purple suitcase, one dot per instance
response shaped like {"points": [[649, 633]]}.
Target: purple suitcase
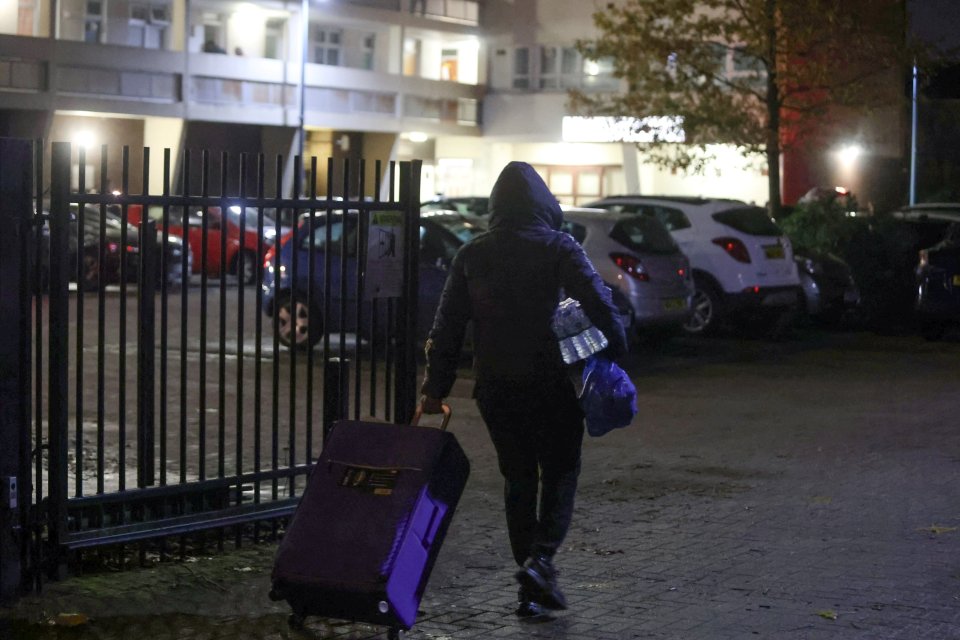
{"points": [[370, 523]]}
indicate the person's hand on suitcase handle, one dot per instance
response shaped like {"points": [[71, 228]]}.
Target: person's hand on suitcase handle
{"points": [[431, 406]]}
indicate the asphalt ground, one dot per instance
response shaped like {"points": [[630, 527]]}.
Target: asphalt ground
{"points": [[799, 488]]}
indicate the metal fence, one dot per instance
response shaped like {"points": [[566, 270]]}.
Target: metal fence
{"points": [[189, 351]]}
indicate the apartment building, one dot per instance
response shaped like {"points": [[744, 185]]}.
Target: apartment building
{"points": [[382, 79], [464, 85]]}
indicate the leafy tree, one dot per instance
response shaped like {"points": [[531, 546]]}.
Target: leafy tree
{"points": [[759, 74]]}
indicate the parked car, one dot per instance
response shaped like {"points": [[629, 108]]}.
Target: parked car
{"points": [[441, 235], [829, 293], [476, 205], [742, 262], [241, 250], [638, 258], [937, 228], [92, 271]]}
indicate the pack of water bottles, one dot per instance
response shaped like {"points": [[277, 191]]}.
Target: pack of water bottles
{"points": [[578, 338]]}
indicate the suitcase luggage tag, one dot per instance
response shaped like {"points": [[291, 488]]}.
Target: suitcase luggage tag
{"points": [[418, 413]]}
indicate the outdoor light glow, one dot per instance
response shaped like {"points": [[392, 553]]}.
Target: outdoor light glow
{"points": [[84, 139], [849, 154], [417, 136], [591, 68]]}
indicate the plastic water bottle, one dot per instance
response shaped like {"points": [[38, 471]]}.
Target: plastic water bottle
{"points": [[578, 337]]}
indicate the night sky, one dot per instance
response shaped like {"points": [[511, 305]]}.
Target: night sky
{"points": [[936, 21]]}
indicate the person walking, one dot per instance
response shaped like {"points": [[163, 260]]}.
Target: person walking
{"points": [[508, 283]]}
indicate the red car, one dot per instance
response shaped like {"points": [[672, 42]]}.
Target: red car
{"points": [[241, 251]]}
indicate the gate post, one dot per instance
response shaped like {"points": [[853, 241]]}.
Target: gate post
{"points": [[406, 363], [16, 171], [58, 357]]}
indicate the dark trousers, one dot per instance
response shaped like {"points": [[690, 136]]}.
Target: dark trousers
{"points": [[537, 430]]}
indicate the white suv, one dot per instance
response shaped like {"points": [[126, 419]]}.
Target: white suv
{"points": [[742, 262]]}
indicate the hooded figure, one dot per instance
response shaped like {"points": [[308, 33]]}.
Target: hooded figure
{"points": [[508, 283]]}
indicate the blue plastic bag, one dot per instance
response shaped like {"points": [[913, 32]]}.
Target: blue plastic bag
{"points": [[608, 399]]}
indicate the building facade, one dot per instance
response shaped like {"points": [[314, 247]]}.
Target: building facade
{"points": [[464, 85]]}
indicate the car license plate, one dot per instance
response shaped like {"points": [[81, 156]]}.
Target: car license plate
{"points": [[773, 251], [674, 304], [780, 298], [956, 280]]}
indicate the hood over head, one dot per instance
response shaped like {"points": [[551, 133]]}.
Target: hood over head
{"points": [[520, 197]]}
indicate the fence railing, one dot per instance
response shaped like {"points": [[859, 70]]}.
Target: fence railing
{"points": [[191, 349]]}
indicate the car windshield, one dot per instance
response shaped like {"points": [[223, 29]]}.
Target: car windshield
{"points": [[752, 221], [465, 230], [644, 234]]}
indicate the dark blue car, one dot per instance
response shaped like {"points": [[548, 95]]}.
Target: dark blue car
{"points": [[441, 235]]}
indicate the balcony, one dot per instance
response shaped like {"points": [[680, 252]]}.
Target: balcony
{"points": [[60, 75]]}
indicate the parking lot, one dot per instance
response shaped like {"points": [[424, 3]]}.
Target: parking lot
{"points": [[798, 488]]}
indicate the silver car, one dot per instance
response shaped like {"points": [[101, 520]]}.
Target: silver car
{"points": [[640, 261]]}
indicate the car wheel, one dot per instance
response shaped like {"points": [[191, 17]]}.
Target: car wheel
{"points": [[932, 330], [245, 266], [706, 306], [293, 323]]}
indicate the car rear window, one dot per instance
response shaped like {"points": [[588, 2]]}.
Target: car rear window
{"points": [[644, 234], [673, 219], [752, 221], [578, 231]]}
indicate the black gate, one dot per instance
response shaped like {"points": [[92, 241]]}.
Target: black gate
{"points": [[190, 350]]}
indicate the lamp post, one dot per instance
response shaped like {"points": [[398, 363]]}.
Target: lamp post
{"points": [[304, 42], [913, 139]]}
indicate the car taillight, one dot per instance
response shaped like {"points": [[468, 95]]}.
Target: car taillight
{"points": [[632, 265], [734, 248]]}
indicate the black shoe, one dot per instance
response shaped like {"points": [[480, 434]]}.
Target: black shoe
{"points": [[527, 608], [539, 579]]}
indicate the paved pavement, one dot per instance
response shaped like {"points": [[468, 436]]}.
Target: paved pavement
{"points": [[797, 489]]}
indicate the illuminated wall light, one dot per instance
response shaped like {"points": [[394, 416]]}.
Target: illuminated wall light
{"points": [[591, 68], [848, 155], [417, 136], [84, 139]]}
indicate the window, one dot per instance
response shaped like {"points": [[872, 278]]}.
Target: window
{"points": [[369, 47], [93, 21], [336, 234], [560, 68], [273, 38], [644, 234], [521, 68], [448, 64], [26, 18], [671, 218], [598, 74], [159, 14], [147, 25], [437, 247], [578, 231], [326, 45], [752, 221]]}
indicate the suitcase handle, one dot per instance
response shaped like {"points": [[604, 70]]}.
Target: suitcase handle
{"points": [[443, 424]]}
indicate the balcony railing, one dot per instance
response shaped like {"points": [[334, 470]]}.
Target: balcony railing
{"points": [[73, 75]]}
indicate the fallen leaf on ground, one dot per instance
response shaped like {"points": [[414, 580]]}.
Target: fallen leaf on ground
{"points": [[937, 529], [70, 619], [828, 614]]}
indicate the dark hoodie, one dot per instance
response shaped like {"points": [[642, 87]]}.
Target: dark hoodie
{"points": [[508, 281]]}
